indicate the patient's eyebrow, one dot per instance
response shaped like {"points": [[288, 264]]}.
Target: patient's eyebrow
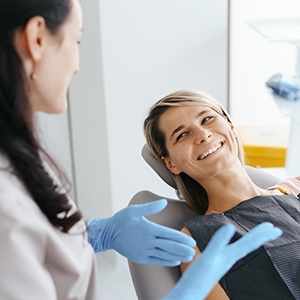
{"points": [[177, 129]]}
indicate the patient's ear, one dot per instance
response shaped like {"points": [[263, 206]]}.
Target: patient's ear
{"points": [[170, 166]]}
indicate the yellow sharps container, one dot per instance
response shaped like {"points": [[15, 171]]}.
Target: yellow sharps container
{"points": [[264, 146]]}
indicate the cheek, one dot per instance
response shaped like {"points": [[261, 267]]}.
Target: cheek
{"points": [[180, 155], [234, 133], [73, 57], [68, 54]]}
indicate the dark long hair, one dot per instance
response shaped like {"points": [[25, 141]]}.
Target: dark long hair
{"points": [[18, 138]]}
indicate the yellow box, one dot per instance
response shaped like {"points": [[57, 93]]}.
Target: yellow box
{"points": [[264, 146]]}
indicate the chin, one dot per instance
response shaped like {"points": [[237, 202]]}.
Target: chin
{"points": [[61, 110], [57, 109]]}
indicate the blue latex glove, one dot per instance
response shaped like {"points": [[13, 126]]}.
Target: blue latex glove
{"points": [[140, 240], [217, 258]]}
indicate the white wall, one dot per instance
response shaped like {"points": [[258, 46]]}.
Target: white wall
{"points": [[55, 135], [138, 52], [88, 122], [254, 59]]}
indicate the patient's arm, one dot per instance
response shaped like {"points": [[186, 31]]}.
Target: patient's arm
{"points": [[217, 293]]}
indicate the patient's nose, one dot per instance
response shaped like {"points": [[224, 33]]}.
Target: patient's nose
{"points": [[202, 135]]}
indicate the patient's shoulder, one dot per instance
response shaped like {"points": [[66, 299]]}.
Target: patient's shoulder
{"points": [[186, 231], [292, 185]]}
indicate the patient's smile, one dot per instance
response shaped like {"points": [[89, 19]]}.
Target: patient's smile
{"points": [[210, 151]]}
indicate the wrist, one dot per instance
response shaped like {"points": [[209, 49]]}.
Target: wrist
{"points": [[98, 234]]}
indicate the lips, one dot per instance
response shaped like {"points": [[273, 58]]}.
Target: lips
{"points": [[213, 149]]}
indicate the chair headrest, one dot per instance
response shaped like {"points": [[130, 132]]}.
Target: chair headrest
{"points": [[258, 176], [158, 167]]}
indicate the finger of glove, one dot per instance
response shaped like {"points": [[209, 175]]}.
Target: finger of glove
{"points": [[220, 239], [211, 254], [163, 232], [170, 250], [254, 239], [140, 210], [193, 283], [157, 261], [196, 272]]}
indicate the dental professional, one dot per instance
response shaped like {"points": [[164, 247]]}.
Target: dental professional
{"points": [[47, 251]]}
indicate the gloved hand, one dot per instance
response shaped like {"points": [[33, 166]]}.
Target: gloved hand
{"points": [[217, 258], [140, 240]]}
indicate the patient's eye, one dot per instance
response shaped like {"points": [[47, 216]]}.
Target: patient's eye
{"points": [[206, 119], [181, 135]]}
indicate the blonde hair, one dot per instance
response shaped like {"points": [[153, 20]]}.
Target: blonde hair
{"points": [[193, 193]]}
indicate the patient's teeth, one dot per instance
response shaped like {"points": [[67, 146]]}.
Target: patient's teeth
{"points": [[210, 151]]}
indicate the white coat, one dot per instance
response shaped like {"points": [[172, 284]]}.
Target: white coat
{"points": [[37, 260]]}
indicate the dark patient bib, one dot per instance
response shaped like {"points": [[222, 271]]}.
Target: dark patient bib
{"points": [[272, 271]]}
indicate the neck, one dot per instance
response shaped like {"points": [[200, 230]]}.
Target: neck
{"points": [[229, 188]]}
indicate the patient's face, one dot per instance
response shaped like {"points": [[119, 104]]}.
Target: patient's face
{"points": [[200, 142]]}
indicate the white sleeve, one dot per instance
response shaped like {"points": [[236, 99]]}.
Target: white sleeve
{"points": [[23, 274]]}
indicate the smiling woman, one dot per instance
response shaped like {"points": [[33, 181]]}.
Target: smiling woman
{"points": [[195, 139], [47, 250], [173, 122], [198, 125]]}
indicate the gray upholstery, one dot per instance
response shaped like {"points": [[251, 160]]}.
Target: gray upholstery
{"points": [[259, 177], [153, 282]]}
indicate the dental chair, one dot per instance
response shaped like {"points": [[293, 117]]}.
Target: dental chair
{"points": [[154, 282]]}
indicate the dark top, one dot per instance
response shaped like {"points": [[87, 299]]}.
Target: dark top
{"points": [[272, 271]]}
